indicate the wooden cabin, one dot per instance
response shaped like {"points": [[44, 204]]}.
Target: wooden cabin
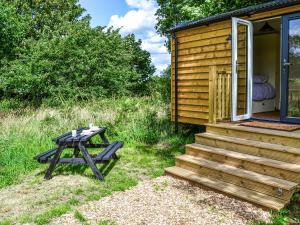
{"points": [[238, 73]]}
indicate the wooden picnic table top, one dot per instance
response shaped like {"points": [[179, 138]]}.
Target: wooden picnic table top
{"points": [[67, 138]]}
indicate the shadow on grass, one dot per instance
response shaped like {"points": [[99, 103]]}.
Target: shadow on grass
{"points": [[107, 167], [83, 170], [163, 153]]}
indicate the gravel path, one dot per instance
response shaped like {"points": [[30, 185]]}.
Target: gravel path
{"points": [[166, 200]]}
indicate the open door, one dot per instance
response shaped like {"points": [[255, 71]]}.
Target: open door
{"points": [[242, 69], [290, 75]]}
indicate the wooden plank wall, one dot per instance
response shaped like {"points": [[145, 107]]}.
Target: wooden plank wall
{"points": [[198, 49], [219, 95]]}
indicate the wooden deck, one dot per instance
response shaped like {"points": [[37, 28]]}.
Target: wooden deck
{"points": [[258, 165]]}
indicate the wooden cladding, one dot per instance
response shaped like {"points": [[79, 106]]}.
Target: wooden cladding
{"points": [[219, 94], [202, 92], [198, 49]]}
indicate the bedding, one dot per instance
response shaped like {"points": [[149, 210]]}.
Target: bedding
{"points": [[262, 90], [259, 79]]}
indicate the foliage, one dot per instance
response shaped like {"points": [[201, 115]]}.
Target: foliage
{"points": [[289, 215], [78, 215], [47, 16], [136, 121], [163, 85], [58, 55], [106, 222], [277, 218], [172, 12], [56, 211], [12, 29], [82, 63], [142, 123]]}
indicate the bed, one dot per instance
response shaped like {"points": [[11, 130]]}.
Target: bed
{"points": [[263, 95]]}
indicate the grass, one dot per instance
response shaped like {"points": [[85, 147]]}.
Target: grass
{"points": [[25, 133], [5, 222], [142, 123], [287, 216], [80, 217], [150, 146], [56, 211], [106, 222]]}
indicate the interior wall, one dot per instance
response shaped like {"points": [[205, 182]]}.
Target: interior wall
{"points": [[267, 60]]}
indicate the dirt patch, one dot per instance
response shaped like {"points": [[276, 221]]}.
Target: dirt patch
{"points": [[34, 194], [166, 200]]}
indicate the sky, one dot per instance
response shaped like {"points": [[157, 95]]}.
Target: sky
{"points": [[131, 16]]}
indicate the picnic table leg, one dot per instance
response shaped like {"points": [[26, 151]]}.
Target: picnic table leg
{"points": [[104, 138], [76, 152], [115, 156], [90, 162], [54, 162]]}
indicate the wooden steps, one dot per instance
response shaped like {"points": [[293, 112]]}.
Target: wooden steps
{"points": [[270, 167], [258, 148], [243, 193], [270, 136], [259, 167], [244, 178]]}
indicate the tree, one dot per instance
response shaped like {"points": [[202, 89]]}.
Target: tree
{"points": [[78, 62], [13, 29], [47, 15], [58, 55], [172, 12]]}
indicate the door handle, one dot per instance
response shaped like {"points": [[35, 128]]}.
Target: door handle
{"points": [[286, 63]]}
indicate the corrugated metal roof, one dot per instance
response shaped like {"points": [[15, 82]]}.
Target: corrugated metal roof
{"points": [[239, 12]]}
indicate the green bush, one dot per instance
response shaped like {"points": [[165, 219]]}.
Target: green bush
{"points": [[13, 29], [81, 64], [56, 56], [162, 85]]}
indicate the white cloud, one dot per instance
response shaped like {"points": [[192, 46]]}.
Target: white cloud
{"points": [[155, 37], [161, 67], [141, 21], [133, 21], [154, 43], [141, 4], [141, 18], [155, 48]]}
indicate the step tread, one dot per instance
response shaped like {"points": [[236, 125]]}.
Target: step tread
{"points": [[243, 193], [247, 157], [248, 142], [257, 177], [257, 130]]}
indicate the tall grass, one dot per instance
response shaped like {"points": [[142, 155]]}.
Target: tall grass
{"points": [[26, 132]]}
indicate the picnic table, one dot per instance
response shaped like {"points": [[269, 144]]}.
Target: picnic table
{"points": [[80, 142]]}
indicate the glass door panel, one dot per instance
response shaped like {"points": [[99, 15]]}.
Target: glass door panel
{"points": [[291, 69], [242, 73], [242, 36]]}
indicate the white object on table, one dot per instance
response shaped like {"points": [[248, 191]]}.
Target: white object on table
{"points": [[74, 133], [86, 132], [94, 128]]}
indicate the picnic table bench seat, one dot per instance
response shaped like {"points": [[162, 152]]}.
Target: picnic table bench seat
{"points": [[109, 152], [43, 157], [80, 143], [106, 155]]}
